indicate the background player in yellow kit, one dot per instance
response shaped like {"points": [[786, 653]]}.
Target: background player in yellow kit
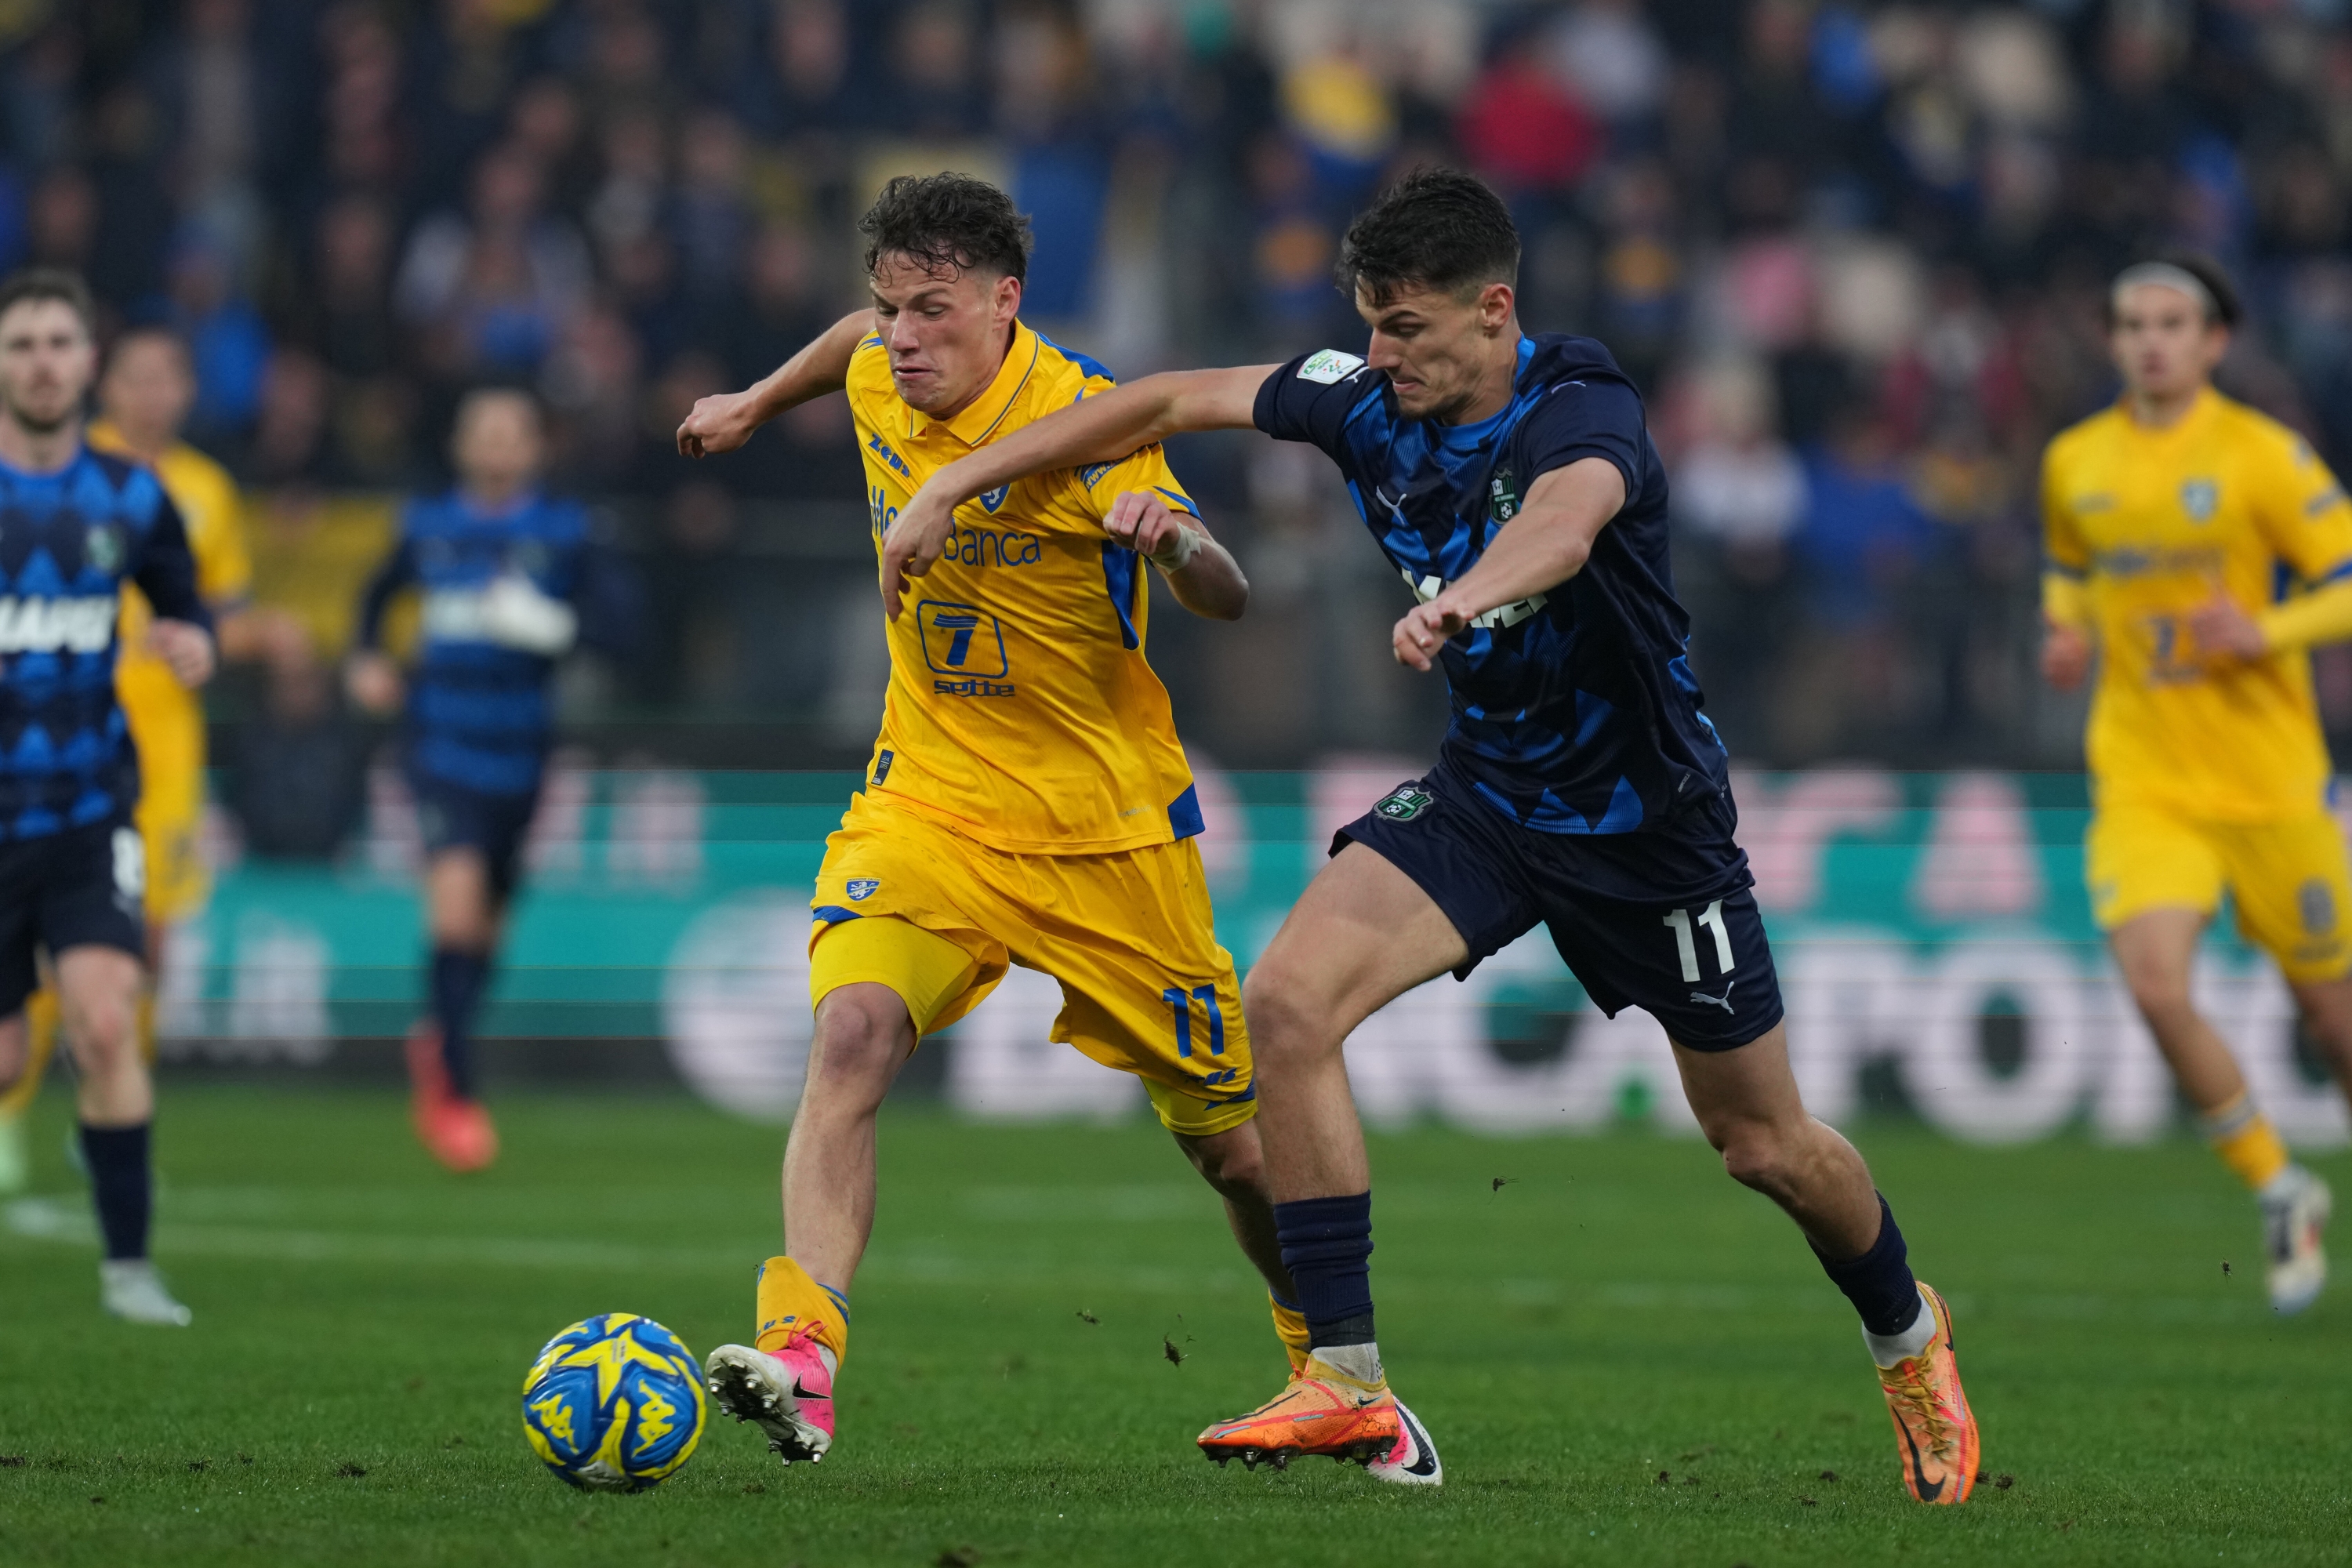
{"points": [[1028, 801], [2171, 520], [144, 396]]}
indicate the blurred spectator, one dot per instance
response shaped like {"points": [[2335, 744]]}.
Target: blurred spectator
{"points": [[227, 336], [491, 289], [298, 772]]}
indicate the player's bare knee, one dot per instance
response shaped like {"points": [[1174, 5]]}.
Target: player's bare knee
{"points": [[859, 1043], [1286, 1022], [1234, 1162], [1757, 1154]]}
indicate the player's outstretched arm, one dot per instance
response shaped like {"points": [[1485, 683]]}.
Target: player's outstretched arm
{"points": [[725, 421], [1208, 580], [1095, 430], [1542, 547]]}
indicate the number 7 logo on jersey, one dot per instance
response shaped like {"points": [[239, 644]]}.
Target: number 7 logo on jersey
{"points": [[960, 639]]}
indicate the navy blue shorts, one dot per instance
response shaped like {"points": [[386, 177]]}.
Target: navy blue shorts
{"points": [[1661, 919], [85, 887], [451, 816]]}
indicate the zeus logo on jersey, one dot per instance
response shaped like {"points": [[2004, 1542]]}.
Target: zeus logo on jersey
{"points": [[875, 442], [47, 625], [1427, 588]]}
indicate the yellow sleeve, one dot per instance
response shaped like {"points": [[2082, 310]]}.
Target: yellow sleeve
{"points": [[2066, 560], [2303, 513], [2322, 615], [1093, 490], [224, 565]]}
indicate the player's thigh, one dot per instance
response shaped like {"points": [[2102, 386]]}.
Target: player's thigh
{"points": [[2137, 860], [1752, 1084], [2293, 892], [98, 998], [1366, 931], [1702, 967], [90, 905], [903, 901]]}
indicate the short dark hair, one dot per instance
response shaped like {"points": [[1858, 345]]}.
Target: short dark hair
{"points": [[947, 224], [51, 283], [1435, 228], [2227, 309], [149, 331]]}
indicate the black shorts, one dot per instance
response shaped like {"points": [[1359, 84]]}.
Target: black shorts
{"points": [[1661, 919], [86, 887], [451, 816]]}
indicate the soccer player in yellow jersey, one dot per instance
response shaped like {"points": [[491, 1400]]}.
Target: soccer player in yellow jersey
{"points": [[2196, 549], [1027, 801], [145, 398]]}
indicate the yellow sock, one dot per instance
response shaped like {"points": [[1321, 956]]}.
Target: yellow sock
{"points": [[1290, 1324], [40, 1045], [792, 1303], [2246, 1141]]}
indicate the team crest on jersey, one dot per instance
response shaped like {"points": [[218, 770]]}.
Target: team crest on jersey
{"points": [[1503, 496], [862, 888], [102, 548], [1404, 805], [992, 499], [2199, 498]]}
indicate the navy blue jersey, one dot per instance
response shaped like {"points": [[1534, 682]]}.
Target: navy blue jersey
{"points": [[69, 541], [481, 711], [1574, 710]]}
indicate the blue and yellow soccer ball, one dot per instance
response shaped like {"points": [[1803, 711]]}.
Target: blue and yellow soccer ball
{"points": [[614, 1404]]}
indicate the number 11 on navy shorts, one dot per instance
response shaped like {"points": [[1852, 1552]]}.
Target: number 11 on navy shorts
{"points": [[1662, 920]]}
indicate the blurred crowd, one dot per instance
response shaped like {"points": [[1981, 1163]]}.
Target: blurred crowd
{"points": [[1853, 253]]}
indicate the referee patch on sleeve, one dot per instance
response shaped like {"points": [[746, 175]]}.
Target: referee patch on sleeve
{"points": [[1329, 366]]}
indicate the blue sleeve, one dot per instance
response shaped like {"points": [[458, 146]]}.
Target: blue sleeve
{"points": [[166, 572], [1311, 398], [1600, 418], [398, 570]]}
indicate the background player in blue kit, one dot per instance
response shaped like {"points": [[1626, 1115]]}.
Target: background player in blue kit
{"points": [[75, 525], [510, 583], [1511, 480]]}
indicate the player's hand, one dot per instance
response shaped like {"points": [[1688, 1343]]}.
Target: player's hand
{"points": [[1423, 630], [2065, 656], [915, 540], [186, 647], [1144, 523], [374, 682], [2224, 634], [719, 423]]}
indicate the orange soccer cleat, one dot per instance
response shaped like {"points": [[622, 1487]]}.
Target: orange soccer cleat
{"points": [[458, 1133], [1323, 1411], [1932, 1419]]}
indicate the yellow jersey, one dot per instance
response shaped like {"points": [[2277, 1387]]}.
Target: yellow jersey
{"points": [[209, 510], [1021, 710], [2151, 523]]}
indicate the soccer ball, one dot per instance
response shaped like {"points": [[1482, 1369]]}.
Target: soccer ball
{"points": [[614, 1404]]}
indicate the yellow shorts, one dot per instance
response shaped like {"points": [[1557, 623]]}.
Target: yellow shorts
{"points": [[170, 814], [905, 902], [2290, 880]]}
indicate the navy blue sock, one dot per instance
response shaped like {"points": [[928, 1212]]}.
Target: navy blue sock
{"points": [[120, 1184], [1326, 1245], [459, 977], [1879, 1282]]}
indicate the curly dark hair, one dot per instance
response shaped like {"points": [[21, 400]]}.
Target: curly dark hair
{"points": [[1435, 228], [947, 224]]}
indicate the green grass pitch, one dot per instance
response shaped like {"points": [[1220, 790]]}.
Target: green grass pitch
{"points": [[1624, 1358]]}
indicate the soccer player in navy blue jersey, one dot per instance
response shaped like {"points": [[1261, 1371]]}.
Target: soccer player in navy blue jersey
{"points": [[75, 526], [512, 582], [1511, 481]]}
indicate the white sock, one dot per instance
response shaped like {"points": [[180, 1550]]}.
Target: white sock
{"points": [[1888, 1349], [2282, 1186], [1361, 1363]]}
